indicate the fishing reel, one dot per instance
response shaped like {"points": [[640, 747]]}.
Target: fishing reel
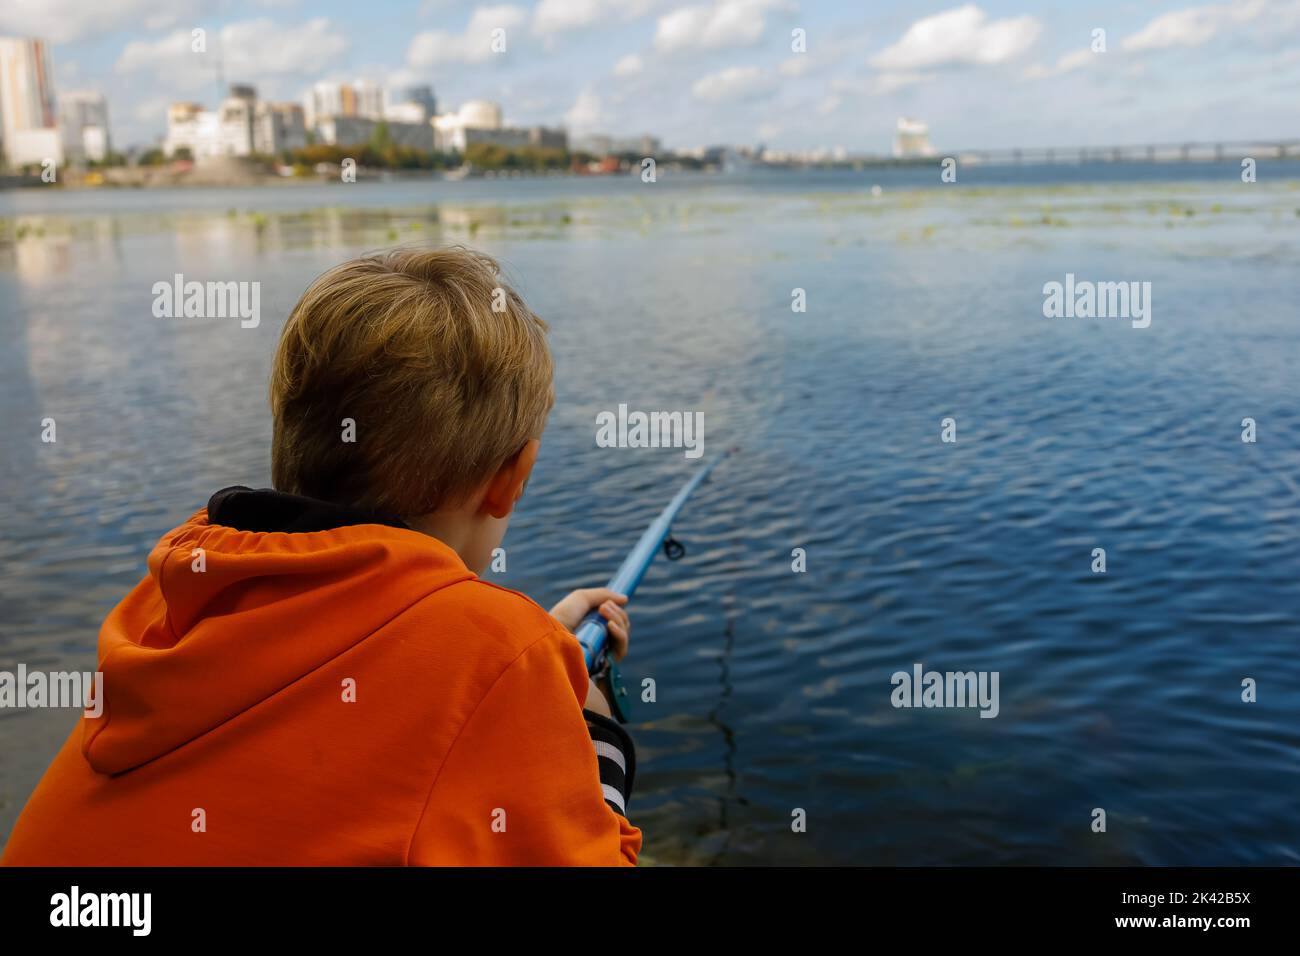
{"points": [[609, 679]]}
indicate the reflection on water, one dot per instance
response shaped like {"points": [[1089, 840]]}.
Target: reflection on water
{"points": [[1118, 691]]}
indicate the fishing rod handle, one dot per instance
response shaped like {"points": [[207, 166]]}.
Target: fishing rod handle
{"points": [[592, 633]]}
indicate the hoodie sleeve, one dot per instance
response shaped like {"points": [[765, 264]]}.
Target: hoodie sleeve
{"points": [[522, 783]]}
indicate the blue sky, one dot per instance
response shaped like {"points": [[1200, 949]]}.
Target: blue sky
{"points": [[697, 72]]}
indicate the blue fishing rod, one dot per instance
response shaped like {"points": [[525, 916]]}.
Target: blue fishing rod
{"points": [[591, 632]]}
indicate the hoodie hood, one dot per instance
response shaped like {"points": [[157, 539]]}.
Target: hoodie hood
{"points": [[252, 593]]}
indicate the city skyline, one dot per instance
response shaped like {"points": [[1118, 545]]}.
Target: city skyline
{"points": [[981, 75]]}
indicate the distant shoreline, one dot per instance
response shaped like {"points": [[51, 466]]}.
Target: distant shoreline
{"points": [[243, 175]]}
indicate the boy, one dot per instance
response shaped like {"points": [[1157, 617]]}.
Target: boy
{"points": [[315, 675]]}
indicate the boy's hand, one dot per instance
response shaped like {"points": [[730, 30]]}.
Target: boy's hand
{"points": [[574, 607]]}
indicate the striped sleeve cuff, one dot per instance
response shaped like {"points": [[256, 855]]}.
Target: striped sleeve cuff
{"points": [[616, 757]]}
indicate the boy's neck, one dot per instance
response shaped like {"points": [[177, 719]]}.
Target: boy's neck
{"points": [[455, 529]]}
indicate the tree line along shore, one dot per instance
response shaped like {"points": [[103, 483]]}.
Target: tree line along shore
{"points": [[378, 158]]}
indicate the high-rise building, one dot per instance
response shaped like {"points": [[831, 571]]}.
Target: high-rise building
{"points": [[83, 124], [342, 114], [369, 100], [325, 99], [29, 131], [422, 94], [415, 104], [277, 127], [225, 131], [912, 139], [192, 128]]}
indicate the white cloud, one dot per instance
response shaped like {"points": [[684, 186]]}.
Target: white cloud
{"points": [[727, 23], [586, 113], [861, 90], [264, 47], [395, 78], [629, 65], [556, 16], [893, 82], [736, 83], [158, 55], [1076, 60], [829, 105], [559, 16], [961, 36], [249, 49], [1193, 26], [437, 47], [826, 52], [1071, 61], [797, 65], [61, 21]]}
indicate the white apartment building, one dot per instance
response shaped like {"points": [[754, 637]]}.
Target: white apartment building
{"points": [[326, 99], [364, 99], [452, 132], [358, 131], [225, 131], [408, 112], [241, 126], [369, 99], [479, 121], [29, 131]]}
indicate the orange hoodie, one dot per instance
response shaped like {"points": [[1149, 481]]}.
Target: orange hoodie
{"points": [[350, 696]]}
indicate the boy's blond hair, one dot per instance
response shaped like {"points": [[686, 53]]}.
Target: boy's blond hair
{"points": [[442, 367]]}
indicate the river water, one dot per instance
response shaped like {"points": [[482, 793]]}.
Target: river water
{"points": [[924, 302]]}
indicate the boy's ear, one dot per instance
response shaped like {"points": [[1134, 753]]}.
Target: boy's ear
{"points": [[507, 485]]}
